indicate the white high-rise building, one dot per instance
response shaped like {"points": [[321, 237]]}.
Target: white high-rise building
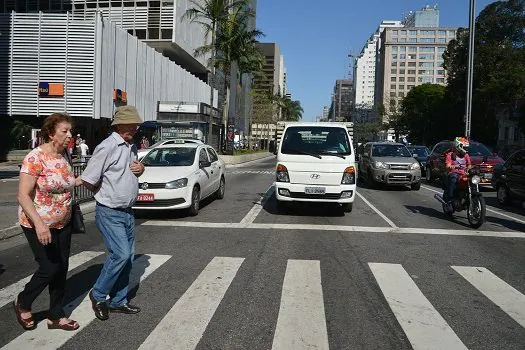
{"points": [[365, 74]]}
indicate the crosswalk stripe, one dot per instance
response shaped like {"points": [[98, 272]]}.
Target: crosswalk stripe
{"points": [[422, 324], [80, 309], [301, 322], [511, 301], [8, 294], [183, 326]]}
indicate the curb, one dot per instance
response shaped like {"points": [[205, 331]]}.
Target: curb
{"points": [[86, 208]]}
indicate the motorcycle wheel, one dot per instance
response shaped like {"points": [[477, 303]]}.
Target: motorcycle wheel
{"points": [[476, 212]]}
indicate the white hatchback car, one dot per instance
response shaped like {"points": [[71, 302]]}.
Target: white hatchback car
{"points": [[142, 152], [179, 176], [316, 163]]}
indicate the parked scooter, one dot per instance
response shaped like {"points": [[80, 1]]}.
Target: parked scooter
{"points": [[467, 197]]}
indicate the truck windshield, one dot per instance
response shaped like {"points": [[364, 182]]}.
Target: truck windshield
{"points": [[323, 140]]}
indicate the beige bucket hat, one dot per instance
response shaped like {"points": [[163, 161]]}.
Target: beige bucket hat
{"points": [[126, 115]]}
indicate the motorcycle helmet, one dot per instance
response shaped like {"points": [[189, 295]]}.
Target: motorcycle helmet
{"points": [[460, 144]]}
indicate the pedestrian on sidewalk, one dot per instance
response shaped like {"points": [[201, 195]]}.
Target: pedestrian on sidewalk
{"points": [[44, 194], [112, 173], [84, 151]]}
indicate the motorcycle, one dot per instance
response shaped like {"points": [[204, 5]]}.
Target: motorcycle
{"points": [[467, 197]]}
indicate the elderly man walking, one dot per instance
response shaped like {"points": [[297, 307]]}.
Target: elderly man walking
{"points": [[112, 173]]}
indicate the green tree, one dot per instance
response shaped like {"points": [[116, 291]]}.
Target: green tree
{"points": [[291, 110], [212, 14], [499, 66], [421, 114], [18, 130]]}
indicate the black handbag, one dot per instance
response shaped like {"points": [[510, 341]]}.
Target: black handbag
{"points": [[77, 218]]}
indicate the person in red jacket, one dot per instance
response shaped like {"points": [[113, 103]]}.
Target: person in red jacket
{"points": [[457, 162]]}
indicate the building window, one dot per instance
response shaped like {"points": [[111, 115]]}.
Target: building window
{"points": [[452, 32], [412, 40], [392, 86], [393, 71], [402, 40], [401, 94], [412, 56], [426, 40], [401, 87], [394, 40], [441, 49], [401, 79], [428, 32], [441, 72], [412, 71], [402, 57], [410, 87], [402, 64], [442, 32], [426, 56], [412, 48], [393, 79], [394, 49], [425, 72], [401, 71], [411, 79], [394, 32], [440, 80], [167, 33], [394, 56], [425, 80], [403, 32], [413, 32], [411, 64], [392, 94], [426, 64], [441, 40], [402, 48], [140, 33], [393, 63]]}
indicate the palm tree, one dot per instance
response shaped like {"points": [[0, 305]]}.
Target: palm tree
{"points": [[211, 14], [291, 110]]}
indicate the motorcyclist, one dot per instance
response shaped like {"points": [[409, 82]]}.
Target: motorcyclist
{"points": [[457, 162]]}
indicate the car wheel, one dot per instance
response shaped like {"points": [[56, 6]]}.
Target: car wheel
{"points": [[502, 194], [415, 186], [428, 174], [347, 207], [195, 201], [222, 188]]}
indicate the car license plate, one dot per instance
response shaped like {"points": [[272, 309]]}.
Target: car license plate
{"points": [[314, 190], [146, 197]]}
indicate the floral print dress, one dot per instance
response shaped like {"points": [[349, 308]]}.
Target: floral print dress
{"points": [[52, 195]]}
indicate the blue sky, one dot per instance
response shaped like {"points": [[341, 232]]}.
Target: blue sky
{"points": [[316, 37]]}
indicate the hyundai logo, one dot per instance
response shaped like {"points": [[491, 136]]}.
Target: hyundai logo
{"points": [[144, 186], [315, 176]]}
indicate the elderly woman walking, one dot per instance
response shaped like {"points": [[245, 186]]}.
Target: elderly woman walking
{"points": [[44, 194]]}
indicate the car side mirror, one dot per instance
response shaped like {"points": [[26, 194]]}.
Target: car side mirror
{"points": [[204, 164]]}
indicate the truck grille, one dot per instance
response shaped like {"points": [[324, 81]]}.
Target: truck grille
{"points": [[315, 196], [399, 166]]}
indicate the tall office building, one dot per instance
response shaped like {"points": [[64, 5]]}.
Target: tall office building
{"points": [[271, 69], [365, 75], [427, 17], [342, 101]]}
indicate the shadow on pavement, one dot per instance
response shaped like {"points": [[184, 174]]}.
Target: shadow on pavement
{"points": [[431, 212], [2, 270], [303, 209], [514, 207]]}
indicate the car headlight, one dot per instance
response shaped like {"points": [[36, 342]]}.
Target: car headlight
{"points": [[414, 166], [475, 179], [180, 183], [380, 165]]}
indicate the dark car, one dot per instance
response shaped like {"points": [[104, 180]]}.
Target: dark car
{"points": [[509, 178], [479, 155], [422, 153]]}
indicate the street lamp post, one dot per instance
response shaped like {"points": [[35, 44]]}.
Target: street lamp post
{"points": [[470, 68]]}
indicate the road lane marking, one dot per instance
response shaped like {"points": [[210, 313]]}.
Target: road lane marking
{"points": [[390, 222], [183, 326], [257, 207], [498, 291], [371, 229], [424, 327], [301, 322], [488, 208], [81, 311], [8, 294]]}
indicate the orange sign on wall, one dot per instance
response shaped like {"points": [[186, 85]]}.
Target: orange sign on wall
{"points": [[50, 89]]}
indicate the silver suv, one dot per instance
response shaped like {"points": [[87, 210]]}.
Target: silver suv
{"points": [[389, 163]]}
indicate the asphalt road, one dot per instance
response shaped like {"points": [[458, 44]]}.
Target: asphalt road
{"points": [[393, 274]]}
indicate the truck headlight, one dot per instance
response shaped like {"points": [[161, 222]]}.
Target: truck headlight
{"points": [[281, 174], [414, 166], [180, 183], [380, 165], [348, 176]]}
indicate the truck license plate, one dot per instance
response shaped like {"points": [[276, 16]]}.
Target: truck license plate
{"points": [[314, 190]]}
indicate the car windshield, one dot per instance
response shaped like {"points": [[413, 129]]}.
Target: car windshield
{"points": [[478, 150], [420, 151], [173, 156], [316, 140], [390, 151], [158, 143]]}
